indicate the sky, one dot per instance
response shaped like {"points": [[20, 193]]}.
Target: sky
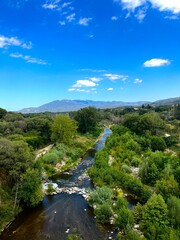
{"points": [[108, 50]]}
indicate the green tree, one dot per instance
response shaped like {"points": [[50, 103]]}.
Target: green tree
{"points": [[158, 143], [124, 219], [87, 119], [177, 112], [167, 187], [174, 210], [3, 112], [31, 187], [154, 217], [151, 122], [137, 212], [63, 129]]}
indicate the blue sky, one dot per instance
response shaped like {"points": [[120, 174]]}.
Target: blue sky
{"points": [[123, 50]]}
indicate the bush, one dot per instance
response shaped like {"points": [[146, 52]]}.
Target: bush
{"points": [[158, 144], [103, 213]]}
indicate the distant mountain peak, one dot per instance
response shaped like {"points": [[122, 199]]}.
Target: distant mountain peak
{"points": [[67, 105]]}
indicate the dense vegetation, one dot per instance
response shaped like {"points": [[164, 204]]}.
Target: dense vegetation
{"points": [[24, 165], [140, 157]]}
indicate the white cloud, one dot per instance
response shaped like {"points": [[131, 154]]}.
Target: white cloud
{"points": [[71, 89], [13, 41], [131, 5], [92, 70], [110, 89], [157, 62], [172, 17], [138, 81], [62, 23], [28, 58], [84, 83], [84, 21], [95, 79], [78, 90], [167, 5], [66, 4], [140, 15], [114, 18], [162, 5], [51, 4], [71, 17], [90, 36], [114, 77]]}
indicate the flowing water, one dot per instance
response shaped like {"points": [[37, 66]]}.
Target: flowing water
{"points": [[61, 214]]}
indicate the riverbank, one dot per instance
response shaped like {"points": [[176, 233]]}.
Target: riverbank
{"points": [[74, 189], [83, 142]]}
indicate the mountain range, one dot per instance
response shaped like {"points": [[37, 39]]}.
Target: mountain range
{"points": [[74, 105]]}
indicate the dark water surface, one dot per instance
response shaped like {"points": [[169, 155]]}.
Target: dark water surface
{"points": [[56, 214]]}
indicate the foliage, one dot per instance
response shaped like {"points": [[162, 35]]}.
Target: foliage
{"points": [[137, 212], [87, 119], [103, 213], [124, 219], [31, 187], [101, 196], [50, 189], [63, 129], [167, 187], [15, 157], [3, 112], [173, 211], [154, 217], [158, 143], [177, 112]]}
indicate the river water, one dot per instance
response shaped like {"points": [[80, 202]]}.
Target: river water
{"points": [[62, 214]]}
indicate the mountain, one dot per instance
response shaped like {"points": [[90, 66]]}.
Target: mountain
{"points": [[74, 105], [169, 101]]}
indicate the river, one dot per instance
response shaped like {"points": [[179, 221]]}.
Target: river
{"points": [[61, 214]]}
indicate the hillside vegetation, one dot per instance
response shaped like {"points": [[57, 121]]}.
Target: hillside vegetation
{"points": [[141, 158]]}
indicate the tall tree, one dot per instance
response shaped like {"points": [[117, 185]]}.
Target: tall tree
{"points": [[87, 119], [63, 129], [154, 217]]}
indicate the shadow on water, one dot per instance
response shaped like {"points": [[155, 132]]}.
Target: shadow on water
{"points": [[58, 215]]}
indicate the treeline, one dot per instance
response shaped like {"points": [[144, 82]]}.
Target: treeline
{"points": [[141, 157]]}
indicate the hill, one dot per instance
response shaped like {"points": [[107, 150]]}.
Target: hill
{"points": [[74, 105]]}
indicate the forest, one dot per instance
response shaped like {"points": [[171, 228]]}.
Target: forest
{"points": [[141, 158]]}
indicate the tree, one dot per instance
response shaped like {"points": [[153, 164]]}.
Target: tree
{"points": [[137, 212], [167, 187], [3, 112], [154, 217], [132, 121], [15, 158], [158, 143], [31, 187], [149, 172], [63, 129], [87, 119], [173, 209], [124, 219], [177, 112], [151, 122]]}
